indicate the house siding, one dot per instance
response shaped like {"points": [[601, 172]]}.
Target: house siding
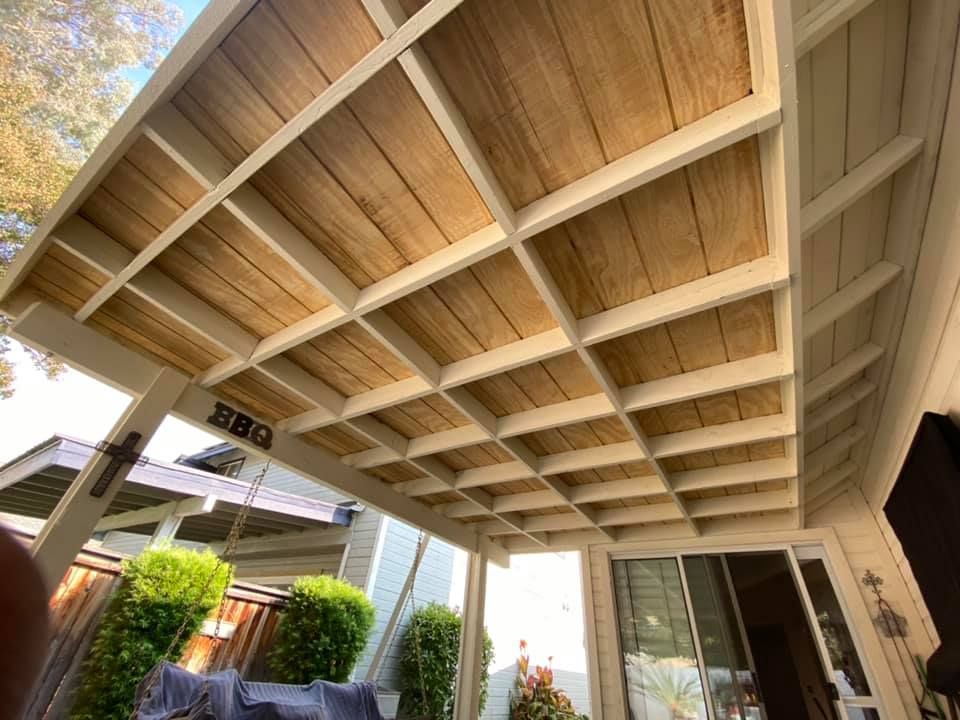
{"points": [[432, 584], [365, 525]]}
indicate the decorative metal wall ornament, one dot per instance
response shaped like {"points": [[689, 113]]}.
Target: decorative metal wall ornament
{"points": [[888, 621], [893, 626], [120, 455]]}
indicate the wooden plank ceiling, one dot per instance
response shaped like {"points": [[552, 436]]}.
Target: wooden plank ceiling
{"points": [[434, 282]]}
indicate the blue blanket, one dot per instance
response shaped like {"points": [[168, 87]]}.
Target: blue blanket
{"points": [[178, 693]]}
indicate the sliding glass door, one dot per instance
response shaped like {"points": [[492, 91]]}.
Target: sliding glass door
{"points": [[738, 636]]}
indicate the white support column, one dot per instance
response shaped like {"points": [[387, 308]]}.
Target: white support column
{"points": [[467, 698], [78, 512], [397, 613], [167, 528]]}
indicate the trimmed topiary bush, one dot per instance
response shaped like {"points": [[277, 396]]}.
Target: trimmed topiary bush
{"points": [[323, 631], [439, 631], [159, 588]]}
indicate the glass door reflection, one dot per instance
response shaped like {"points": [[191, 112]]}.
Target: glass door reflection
{"points": [[726, 654], [660, 660]]}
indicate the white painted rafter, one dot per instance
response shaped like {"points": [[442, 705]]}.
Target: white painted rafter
{"points": [[336, 93], [818, 24], [772, 63], [858, 182]]}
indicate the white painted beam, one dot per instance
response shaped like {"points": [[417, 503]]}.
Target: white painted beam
{"points": [[818, 24], [714, 437], [773, 64], [837, 405], [733, 475], [845, 370], [468, 685], [739, 282], [857, 291], [834, 448], [830, 479], [306, 540], [737, 504], [77, 513], [133, 518], [337, 92], [389, 16], [858, 182]]}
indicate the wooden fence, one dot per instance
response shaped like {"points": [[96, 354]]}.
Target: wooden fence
{"points": [[78, 604]]}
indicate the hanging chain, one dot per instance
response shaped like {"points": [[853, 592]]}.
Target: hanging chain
{"points": [[416, 631], [229, 550]]}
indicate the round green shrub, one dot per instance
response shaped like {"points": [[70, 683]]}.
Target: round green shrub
{"points": [[439, 632], [323, 631], [158, 589]]}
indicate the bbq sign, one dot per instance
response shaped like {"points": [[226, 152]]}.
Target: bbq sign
{"points": [[243, 426]]}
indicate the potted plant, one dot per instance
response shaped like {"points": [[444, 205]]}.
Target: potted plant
{"points": [[535, 697]]}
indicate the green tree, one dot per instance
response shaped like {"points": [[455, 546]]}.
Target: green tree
{"points": [[61, 88]]}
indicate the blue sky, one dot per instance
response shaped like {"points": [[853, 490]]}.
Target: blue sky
{"points": [[190, 8]]}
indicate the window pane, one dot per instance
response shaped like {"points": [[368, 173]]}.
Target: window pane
{"points": [[847, 670], [660, 662], [862, 713], [732, 686]]}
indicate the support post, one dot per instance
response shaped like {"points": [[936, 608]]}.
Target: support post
{"points": [[397, 612], [167, 528], [467, 699], [73, 520]]}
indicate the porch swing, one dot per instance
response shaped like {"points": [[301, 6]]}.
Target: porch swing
{"points": [[169, 692]]}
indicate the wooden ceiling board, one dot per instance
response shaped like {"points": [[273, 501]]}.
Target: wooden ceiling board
{"points": [[339, 439], [704, 54], [396, 472], [417, 418], [349, 359], [469, 312], [702, 219], [257, 391], [557, 379]]}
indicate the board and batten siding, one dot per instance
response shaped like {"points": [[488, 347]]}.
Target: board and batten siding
{"points": [[390, 568], [864, 546], [366, 524]]}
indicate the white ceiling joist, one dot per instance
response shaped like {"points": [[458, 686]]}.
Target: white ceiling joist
{"points": [[818, 24], [44, 327], [858, 182], [338, 91], [842, 372], [837, 405]]}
